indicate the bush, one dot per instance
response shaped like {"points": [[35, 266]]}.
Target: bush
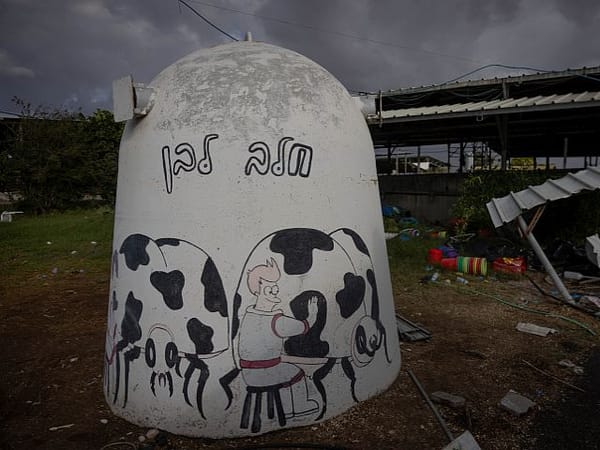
{"points": [[57, 157], [582, 219]]}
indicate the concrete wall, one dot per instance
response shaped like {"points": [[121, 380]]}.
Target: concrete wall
{"points": [[429, 198]]}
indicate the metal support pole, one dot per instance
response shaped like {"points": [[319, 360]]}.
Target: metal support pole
{"points": [[431, 406], [544, 260], [418, 159], [389, 153], [448, 157], [502, 124]]}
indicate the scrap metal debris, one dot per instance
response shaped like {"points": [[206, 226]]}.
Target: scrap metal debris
{"points": [[543, 372], [409, 331], [592, 249], [535, 329], [465, 441]]}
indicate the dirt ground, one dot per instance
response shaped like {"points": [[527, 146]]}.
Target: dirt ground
{"points": [[52, 343]]}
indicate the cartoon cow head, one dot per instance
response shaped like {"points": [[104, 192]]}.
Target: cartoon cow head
{"points": [[171, 307]]}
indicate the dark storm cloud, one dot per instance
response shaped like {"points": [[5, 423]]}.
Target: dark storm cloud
{"points": [[67, 52]]}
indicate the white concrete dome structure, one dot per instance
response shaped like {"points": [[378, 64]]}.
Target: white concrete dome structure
{"points": [[250, 286]]}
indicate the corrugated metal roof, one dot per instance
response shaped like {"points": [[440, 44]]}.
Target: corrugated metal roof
{"points": [[509, 105], [592, 249], [506, 209], [511, 79]]}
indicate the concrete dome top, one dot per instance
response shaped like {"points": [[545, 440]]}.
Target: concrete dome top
{"points": [[256, 84]]}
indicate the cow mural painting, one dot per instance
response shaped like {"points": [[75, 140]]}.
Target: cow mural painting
{"points": [[250, 288]]}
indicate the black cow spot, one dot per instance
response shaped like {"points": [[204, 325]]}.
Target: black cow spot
{"points": [[375, 296], [309, 344], [114, 303], [130, 326], [358, 242], [235, 322], [201, 335], [168, 241], [350, 298], [134, 250], [296, 245], [214, 294], [115, 264], [170, 285]]}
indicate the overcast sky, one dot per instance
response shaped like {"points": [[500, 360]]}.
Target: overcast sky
{"points": [[68, 52]]}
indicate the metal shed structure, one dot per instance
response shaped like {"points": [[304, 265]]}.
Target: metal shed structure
{"points": [[542, 115], [512, 206]]}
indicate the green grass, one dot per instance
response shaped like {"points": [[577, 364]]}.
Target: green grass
{"points": [[408, 260], [35, 245], [32, 245]]}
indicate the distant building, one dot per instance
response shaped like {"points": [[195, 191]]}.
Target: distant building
{"points": [[407, 164]]}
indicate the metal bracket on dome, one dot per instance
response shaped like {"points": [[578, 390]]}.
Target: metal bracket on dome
{"points": [[131, 99]]}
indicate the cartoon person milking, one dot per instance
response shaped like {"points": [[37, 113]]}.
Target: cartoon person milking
{"points": [[262, 332]]}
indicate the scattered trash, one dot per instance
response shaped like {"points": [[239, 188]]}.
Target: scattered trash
{"points": [[7, 216], [73, 252], [510, 265], [448, 252], [535, 329], [152, 433], [409, 331], [576, 276], [543, 372], [390, 211], [389, 236], [55, 270], [592, 249], [569, 364], [142, 438], [476, 266], [437, 234], [48, 242], [450, 264], [93, 243], [434, 256], [590, 303], [516, 403], [73, 359], [444, 398], [61, 427], [104, 421], [462, 280], [409, 233], [427, 278], [407, 221]]}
